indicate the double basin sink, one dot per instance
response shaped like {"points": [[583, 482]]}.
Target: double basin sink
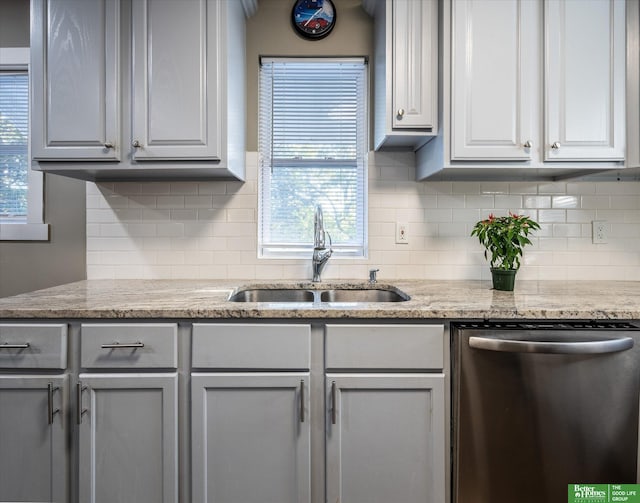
{"points": [[313, 295]]}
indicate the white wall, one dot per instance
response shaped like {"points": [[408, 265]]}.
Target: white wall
{"points": [[209, 229]]}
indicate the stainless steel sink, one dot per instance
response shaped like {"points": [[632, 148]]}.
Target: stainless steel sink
{"points": [[272, 295], [363, 295], [304, 295]]}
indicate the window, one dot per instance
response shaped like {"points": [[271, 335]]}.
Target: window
{"points": [[20, 187], [312, 150]]}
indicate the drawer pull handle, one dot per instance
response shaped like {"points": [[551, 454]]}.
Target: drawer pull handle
{"points": [[127, 345], [6, 345], [302, 401], [334, 402], [79, 411], [50, 410]]}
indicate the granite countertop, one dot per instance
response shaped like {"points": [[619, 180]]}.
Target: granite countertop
{"points": [[197, 299]]}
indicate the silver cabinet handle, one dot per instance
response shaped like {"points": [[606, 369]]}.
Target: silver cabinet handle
{"points": [[527, 144], [595, 346], [109, 145], [401, 113], [6, 345], [50, 410], [135, 144], [124, 345], [334, 403], [79, 411], [555, 145], [302, 401]]}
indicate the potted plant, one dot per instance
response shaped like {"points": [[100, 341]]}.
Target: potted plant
{"points": [[504, 238]]}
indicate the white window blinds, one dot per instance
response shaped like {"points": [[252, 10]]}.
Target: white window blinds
{"points": [[313, 147], [14, 142]]}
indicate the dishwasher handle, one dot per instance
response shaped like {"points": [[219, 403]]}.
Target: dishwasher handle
{"points": [[596, 346]]}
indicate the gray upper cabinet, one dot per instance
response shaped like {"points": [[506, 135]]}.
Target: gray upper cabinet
{"points": [[532, 89], [175, 99], [584, 80], [405, 71], [75, 68], [148, 88]]}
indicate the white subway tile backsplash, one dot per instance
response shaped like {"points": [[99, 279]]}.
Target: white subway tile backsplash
{"points": [[565, 202], [552, 188], [198, 201], [523, 188], [209, 229], [512, 203], [183, 188], [581, 216], [567, 230], [153, 188], [170, 202], [494, 188], [595, 202], [624, 202], [450, 201], [480, 202], [537, 201], [552, 216], [439, 215]]}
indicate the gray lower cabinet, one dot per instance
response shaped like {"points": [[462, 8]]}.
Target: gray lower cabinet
{"points": [[251, 413], [33, 453], [385, 438], [385, 413], [250, 437], [127, 413], [128, 438]]}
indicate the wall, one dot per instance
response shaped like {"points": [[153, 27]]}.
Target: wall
{"points": [[209, 229], [269, 33], [26, 266]]}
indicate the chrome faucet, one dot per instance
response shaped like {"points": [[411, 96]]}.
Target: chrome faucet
{"points": [[321, 253]]}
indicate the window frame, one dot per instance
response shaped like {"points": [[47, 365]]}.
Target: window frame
{"points": [[297, 251], [31, 228]]}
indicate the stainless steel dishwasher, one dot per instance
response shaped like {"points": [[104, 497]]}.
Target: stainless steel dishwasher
{"points": [[538, 406]]}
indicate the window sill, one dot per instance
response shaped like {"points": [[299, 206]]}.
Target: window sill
{"points": [[24, 232]]}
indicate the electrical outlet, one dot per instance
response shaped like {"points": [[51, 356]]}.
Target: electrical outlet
{"points": [[402, 236], [599, 231]]}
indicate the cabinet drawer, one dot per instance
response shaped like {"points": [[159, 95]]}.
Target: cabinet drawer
{"points": [[145, 345], [33, 346], [384, 347], [251, 346]]}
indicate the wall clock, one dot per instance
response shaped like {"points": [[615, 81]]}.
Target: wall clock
{"points": [[313, 19]]}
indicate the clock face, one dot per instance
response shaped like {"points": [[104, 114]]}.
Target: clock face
{"points": [[313, 19]]}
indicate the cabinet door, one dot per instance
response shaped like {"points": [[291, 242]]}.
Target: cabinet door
{"points": [[585, 80], [495, 79], [385, 438], [128, 438], [75, 80], [175, 80], [33, 454], [250, 438], [415, 63]]}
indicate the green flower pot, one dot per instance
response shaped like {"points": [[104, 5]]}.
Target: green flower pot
{"points": [[503, 279]]}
